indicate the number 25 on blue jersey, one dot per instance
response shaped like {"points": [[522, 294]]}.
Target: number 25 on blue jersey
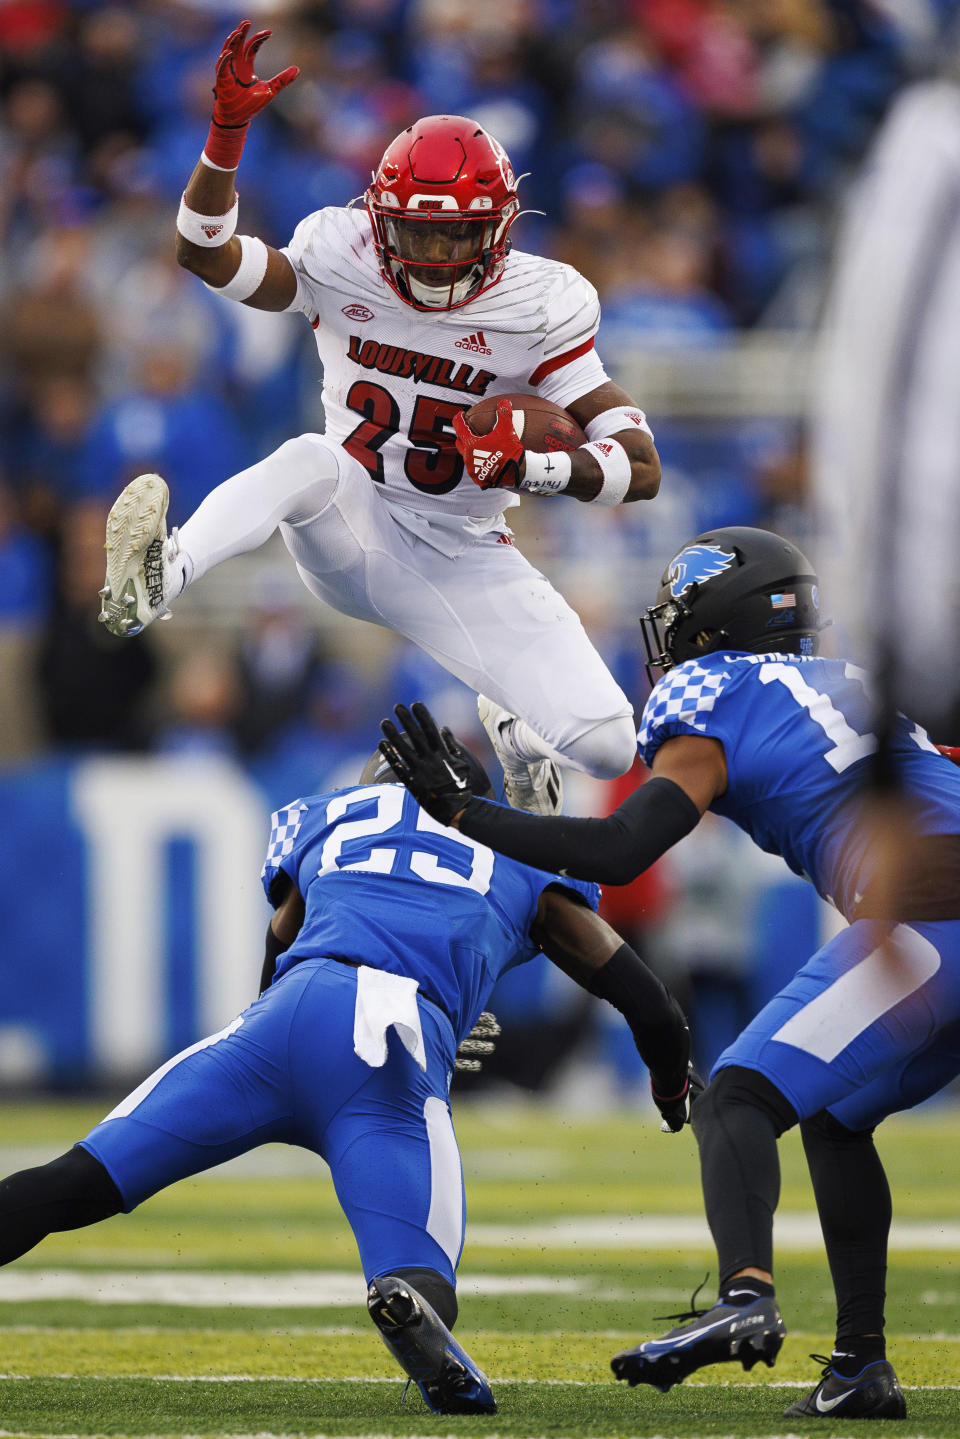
{"points": [[350, 837]]}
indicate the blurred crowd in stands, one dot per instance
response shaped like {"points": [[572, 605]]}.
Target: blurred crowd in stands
{"points": [[687, 156]]}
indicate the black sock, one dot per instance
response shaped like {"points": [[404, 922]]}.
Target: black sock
{"points": [[736, 1122], [437, 1291], [853, 1352], [744, 1289], [69, 1192], [853, 1201]]}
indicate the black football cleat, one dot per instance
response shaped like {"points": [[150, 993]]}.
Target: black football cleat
{"points": [[425, 1349], [714, 1336], [873, 1393]]}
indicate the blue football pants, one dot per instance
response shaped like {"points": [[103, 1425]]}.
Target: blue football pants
{"points": [[868, 1026], [285, 1071]]}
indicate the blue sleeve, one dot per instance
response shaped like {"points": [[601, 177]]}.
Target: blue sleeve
{"points": [[285, 825], [683, 702], [584, 889], [581, 889], [522, 918]]}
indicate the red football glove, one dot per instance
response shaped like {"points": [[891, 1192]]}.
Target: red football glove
{"points": [[952, 752], [238, 94], [493, 460]]}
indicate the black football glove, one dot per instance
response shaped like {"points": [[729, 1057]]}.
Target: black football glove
{"points": [[676, 1110], [426, 762], [479, 1042]]}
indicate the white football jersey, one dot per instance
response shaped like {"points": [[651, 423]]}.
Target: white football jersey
{"points": [[394, 377]]}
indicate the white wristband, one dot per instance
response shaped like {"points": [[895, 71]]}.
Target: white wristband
{"points": [[205, 160], [250, 272], [615, 421], [546, 474], [614, 462], [206, 230]]}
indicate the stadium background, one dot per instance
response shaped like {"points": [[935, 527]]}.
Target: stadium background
{"points": [[689, 156]]}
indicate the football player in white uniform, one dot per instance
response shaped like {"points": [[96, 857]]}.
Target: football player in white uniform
{"points": [[396, 513]]}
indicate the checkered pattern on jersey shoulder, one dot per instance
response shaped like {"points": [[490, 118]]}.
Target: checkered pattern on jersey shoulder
{"points": [[284, 827], [680, 702]]}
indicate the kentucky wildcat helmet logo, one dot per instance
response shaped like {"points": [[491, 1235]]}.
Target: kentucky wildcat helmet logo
{"points": [[694, 565]]}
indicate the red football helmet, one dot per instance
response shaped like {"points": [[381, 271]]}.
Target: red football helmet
{"points": [[441, 202]]}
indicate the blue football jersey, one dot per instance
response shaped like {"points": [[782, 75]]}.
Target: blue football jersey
{"points": [[386, 885], [796, 735]]}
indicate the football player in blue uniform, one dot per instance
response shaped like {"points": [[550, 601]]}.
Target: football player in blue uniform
{"points": [[747, 721], [389, 932]]}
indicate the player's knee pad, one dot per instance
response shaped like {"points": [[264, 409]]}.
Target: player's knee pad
{"points": [[736, 1085], [607, 750], [425, 1349], [306, 470]]}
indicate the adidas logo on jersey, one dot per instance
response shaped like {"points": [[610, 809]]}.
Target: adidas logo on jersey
{"points": [[476, 344]]}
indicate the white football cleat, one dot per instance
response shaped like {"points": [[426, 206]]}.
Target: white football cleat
{"points": [[533, 785], [144, 569]]}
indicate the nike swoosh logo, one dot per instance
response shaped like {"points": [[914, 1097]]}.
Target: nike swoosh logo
{"points": [[823, 1406], [690, 1338], [460, 783]]}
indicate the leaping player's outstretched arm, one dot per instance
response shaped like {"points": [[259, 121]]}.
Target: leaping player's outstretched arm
{"points": [[242, 267]]}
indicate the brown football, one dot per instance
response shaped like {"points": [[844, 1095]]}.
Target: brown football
{"points": [[541, 425]]}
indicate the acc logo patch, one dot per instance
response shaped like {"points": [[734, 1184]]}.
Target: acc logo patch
{"points": [[694, 565], [357, 312]]}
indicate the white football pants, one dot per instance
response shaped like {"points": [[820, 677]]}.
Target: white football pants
{"points": [[485, 614]]}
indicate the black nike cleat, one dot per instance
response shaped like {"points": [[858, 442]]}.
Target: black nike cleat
{"points": [[873, 1393], [714, 1336], [423, 1346]]}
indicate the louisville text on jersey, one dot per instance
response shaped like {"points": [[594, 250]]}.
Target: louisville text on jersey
{"points": [[414, 365]]}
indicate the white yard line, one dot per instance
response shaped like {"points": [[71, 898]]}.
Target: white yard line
{"points": [[792, 1231], [299, 1289], [295, 1289]]}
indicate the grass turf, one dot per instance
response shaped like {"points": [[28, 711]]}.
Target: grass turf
{"points": [[330, 1407], [73, 1367]]}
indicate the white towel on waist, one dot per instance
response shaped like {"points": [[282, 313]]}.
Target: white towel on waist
{"points": [[385, 999]]}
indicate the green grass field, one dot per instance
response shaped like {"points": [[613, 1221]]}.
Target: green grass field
{"points": [[233, 1305]]}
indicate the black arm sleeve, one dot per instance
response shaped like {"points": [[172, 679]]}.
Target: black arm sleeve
{"points": [[611, 851], [655, 1018]]}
